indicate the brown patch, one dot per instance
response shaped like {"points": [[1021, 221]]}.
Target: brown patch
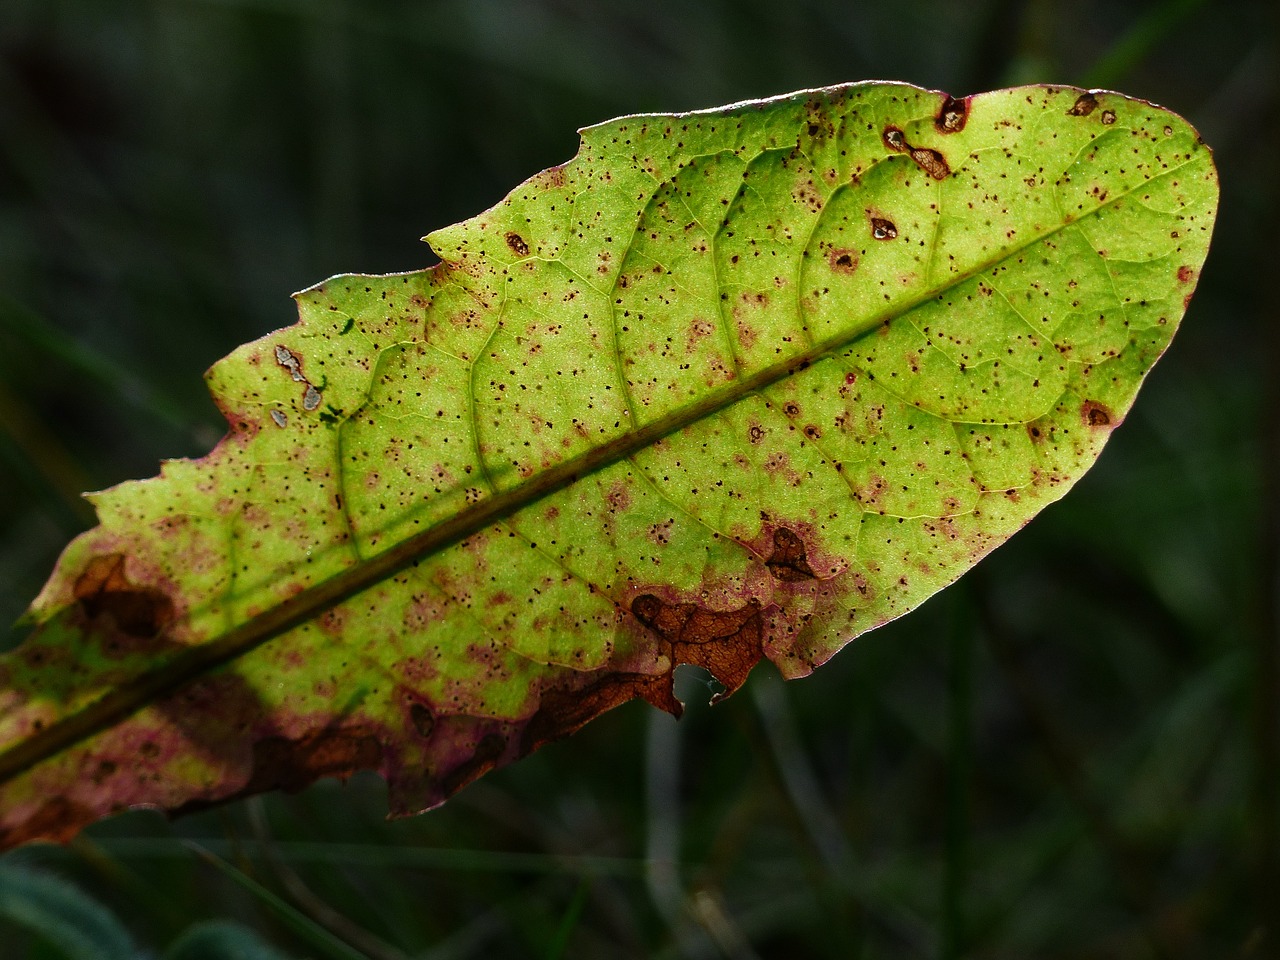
{"points": [[1095, 414], [1085, 104], [283, 764], [104, 592], [728, 643], [788, 561], [953, 115], [843, 260], [57, 819], [619, 497], [517, 244], [564, 710], [882, 229], [931, 162]]}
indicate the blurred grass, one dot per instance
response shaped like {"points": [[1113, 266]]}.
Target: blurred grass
{"points": [[1073, 754]]}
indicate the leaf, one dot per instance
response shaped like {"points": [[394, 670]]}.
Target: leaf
{"points": [[220, 940], [75, 924], [729, 385]]}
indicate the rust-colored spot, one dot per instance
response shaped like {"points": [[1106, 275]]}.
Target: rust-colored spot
{"points": [[728, 643], [103, 591], [882, 229], [843, 260], [953, 115], [1095, 414], [931, 162], [894, 139], [422, 719], [517, 244], [1186, 274], [1085, 104], [1034, 432], [788, 560]]}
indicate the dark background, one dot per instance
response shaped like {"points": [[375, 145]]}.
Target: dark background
{"points": [[1072, 753]]}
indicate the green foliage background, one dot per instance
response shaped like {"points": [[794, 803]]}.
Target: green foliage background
{"points": [[1075, 752]]}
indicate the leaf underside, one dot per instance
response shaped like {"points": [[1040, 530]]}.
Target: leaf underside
{"points": [[729, 385]]}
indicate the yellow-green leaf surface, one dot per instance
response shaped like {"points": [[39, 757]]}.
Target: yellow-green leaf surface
{"points": [[728, 385]]}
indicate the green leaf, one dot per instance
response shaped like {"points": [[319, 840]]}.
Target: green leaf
{"points": [[78, 926], [221, 940], [727, 386]]}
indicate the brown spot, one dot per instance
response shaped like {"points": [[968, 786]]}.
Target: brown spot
{"points": [[1034, 432], [1085, 104], [894, 139], [1186, 274], [1108, 117], [149, 749], [104, 592], [843, 260], [953, 115], [728, 643], [283, 764], [517, 244], [422, 719], [788, 560], [931, 162], [755, 433], [564, 710], [1095, 414], [882, 229], [619, 497]]}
